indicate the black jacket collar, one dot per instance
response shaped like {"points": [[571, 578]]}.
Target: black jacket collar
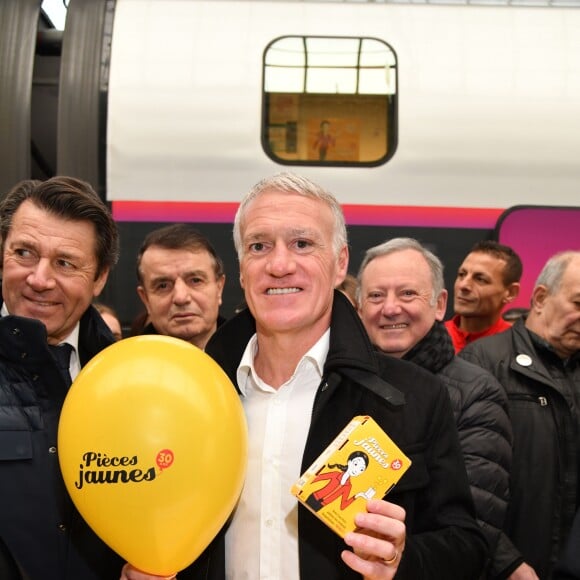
{"points": [[350, 353], [19, 334]]}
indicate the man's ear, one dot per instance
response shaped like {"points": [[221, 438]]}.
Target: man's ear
{"points": [[342, 262], [143, 295], [220, 284], [100, 282], [441, 305], [512, 292], [539, 295]]}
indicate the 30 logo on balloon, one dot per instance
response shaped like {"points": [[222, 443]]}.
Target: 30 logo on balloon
{"points": [[164, 459]]}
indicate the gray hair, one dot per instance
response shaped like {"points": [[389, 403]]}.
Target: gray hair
{"points": [[291, 183], [554, 269], [399, 245]]}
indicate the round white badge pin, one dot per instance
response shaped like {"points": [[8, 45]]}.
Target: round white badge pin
{"points": [[523, 360]]}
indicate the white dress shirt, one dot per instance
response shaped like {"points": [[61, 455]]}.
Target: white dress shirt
{"points": [[262, 541]]}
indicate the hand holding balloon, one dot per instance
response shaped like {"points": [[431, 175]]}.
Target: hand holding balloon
{"points": [[152, 447]]}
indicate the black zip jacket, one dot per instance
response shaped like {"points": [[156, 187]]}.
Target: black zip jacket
{"points": [[443, 538], [544, 478]]}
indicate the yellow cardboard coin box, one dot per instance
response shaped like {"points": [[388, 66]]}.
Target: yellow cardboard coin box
{"points": [[361, 463]]}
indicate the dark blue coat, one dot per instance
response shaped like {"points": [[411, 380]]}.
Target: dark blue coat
{"points": [[38, 522]]}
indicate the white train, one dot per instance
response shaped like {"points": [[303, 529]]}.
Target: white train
{"points": [[424, 120], [488, 99]]}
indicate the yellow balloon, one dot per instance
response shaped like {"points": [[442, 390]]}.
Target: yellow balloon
{"points": [[153, 449]]}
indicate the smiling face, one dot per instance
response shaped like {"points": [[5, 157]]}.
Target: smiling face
{"points": [[288, 265], [181, 293], [49, 269], [480, 292], [396, 307]]}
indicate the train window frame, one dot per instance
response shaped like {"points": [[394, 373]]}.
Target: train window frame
{"points": [[304, 136]]}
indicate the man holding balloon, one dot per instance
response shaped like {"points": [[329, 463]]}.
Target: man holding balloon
{"points": [[59, 243], [304, 366]]}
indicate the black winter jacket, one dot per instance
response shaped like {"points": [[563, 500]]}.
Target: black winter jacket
{"points": [[443, 539], [38, 522], [480, 408], [544, 416], [485, 434]]}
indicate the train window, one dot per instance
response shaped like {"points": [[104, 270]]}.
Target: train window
{"points": [[329, 101]]}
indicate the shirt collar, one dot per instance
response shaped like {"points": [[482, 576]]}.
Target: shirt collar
{"points": [[73, 337], [316, 355]]}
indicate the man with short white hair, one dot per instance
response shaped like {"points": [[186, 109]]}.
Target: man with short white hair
{"points": [[304, 366], [402, 302]]}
